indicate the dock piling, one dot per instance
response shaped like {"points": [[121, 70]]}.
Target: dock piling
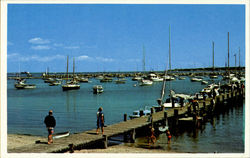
{"points": [[105, 142], [132, 136], [125, 117]]}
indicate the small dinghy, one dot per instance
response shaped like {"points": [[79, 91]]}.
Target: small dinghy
{"points": [[163, 128], [61, 135]]}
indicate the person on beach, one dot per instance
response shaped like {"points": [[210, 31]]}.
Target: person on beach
{"points": [[50, 123], [169, 136], [100, 121]]}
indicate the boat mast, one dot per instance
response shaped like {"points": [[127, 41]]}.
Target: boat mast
{"points": [[73, 67], [239, 56], [213, 56], [67, 68], [169, 50], [228, 55], [165, 74], [143, 61]]}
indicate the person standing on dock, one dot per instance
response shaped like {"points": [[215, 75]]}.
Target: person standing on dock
{"points": [[100, 120], [50, 123]]}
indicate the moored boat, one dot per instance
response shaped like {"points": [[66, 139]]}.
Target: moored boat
{"points": [[97, 89], [146, 82]]}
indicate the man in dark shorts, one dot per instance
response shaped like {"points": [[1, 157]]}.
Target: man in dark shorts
{"points": [[50, 123], [100, 120]]}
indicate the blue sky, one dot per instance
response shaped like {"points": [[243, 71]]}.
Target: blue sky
{"points": [[110, 37]]}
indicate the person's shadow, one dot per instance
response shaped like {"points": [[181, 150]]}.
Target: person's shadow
{"points": [[40, 142]]}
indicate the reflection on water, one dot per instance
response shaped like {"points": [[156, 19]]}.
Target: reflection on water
{"points": [[75, 111], [223, 133]]}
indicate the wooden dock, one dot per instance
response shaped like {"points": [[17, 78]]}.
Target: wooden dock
{"points": [[127, 127]]}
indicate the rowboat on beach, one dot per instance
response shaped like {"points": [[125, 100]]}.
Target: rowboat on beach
{"points": [[61, 135]]}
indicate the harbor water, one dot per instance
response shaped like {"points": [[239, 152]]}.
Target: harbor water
{"points": [[75, 111]]}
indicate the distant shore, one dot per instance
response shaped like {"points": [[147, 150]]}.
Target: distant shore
{"points": [[18, 140]]}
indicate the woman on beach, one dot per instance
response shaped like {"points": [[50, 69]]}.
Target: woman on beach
{"points": [[50, 123], [100, 120]]}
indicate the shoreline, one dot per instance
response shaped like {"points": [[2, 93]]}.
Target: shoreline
{"points": [[21, 140]]}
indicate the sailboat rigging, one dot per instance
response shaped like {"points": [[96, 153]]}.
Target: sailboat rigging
{"points": [[73, 84]]}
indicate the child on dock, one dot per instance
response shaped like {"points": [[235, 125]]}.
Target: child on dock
{"points": [[50, 123], [100, 120]]}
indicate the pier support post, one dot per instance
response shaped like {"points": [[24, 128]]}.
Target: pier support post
{"points": [[105, 142], [176, 116], [141, 113], [165, 118], [71, 148], [132, 136], [204, 105], [228, 96], [189, 110], [152, 110], [125, 117]]}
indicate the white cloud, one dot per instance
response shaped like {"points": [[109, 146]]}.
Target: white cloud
{"points": [[18, 57], [72, 47], [104, 59], [41, 47], [58, 44], [38, 40], [84, 57], [13, 55]]}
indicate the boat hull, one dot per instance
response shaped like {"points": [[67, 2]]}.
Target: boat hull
{"points": [[70, 87]]}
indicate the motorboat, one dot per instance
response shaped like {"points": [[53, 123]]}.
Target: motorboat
{"points": [[177, 100], [83, 80], [168, 78], [97, 89], [136, 78], [136, 113], [145, 82], [120, 81], [181, 78], [195, 79], [21, 85], [204, 82], [55, 83], [106, 79], [155, 78]]}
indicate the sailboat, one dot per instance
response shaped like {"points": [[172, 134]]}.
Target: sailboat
{"points": [[175, 100], [213, 75], [73, 84], [20, 83], [143, 81]]}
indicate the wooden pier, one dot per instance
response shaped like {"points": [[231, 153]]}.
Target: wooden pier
{"points": [[130, 128]]}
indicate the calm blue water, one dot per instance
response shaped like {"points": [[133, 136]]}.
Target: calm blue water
{"points": [[75, 110], [221, 134]]}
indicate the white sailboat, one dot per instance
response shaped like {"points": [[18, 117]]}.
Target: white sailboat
{"points": [[175, 100], [73, 84], [143, 81]]}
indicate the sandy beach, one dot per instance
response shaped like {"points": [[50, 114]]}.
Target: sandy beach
{"points": [[17, 140]]}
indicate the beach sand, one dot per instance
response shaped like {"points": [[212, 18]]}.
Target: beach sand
{"points": [[17, 140]]}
